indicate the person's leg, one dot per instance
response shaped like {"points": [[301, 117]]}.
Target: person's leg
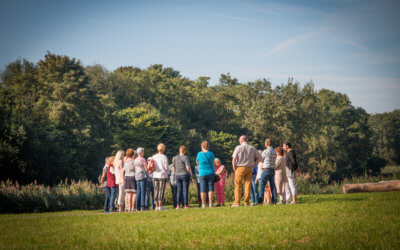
{"points": [[107, 190], [288, 192], [253, 193], [113, 197], [147, 196], [152, 194], [121, 198], [198, 194], [210, 180], [292, 184], [156, 191], [143, 195], [271, 179], [179, 191], [203, 190], [162, 190], [247, 185], [185, 183], [223, 192], [239, 175], [134, 194], [261, 186], [137, 195]]}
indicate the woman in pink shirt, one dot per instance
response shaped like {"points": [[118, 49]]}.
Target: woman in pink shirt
{"points": [[220, 170]]}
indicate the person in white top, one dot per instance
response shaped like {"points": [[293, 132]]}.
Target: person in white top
{"points": [[160, 176], [119, 178]]}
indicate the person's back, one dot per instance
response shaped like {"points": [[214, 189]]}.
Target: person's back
{"points": [[269, 158], [162, 167], [245, 155], [140, 171], [205, 161]]}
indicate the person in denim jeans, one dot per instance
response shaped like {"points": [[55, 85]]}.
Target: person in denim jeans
{"points": [[111, 187], [268, 172], [103, 184], [183, 174], [141, 172], [205, 161], [254, 190], [149, 191]]}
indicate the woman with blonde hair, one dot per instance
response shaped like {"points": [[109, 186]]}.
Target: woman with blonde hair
{"points": [[160, 175], [119, 178], [129, 181]]}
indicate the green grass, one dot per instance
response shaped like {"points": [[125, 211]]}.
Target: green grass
{"points": [[368, 220]]}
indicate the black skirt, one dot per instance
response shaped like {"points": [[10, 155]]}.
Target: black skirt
{"points": [[130, 184]]}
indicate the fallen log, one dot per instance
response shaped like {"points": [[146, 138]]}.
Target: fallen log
{"points": [[382, 186]]}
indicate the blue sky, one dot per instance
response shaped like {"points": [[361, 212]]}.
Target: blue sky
{"points": [[350, 46]]}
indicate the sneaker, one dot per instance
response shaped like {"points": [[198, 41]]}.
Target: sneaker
{"points": [[162, 208], [203, 206], [253, 204], [223, 205], [177, 207], [218, 205], [280, 203], [186, 207], [235, 205]]}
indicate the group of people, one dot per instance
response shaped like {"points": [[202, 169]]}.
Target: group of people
{"points": [[134, 183]]}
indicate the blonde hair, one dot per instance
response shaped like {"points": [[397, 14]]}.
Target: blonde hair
{"points": [[204, 145], [217, 160], [119, 156], [161, 147]]}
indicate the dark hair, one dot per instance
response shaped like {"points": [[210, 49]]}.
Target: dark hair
{"points": [[279, 150], [288, 144], [268, 141]]}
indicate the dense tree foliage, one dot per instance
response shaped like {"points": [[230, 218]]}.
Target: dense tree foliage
{"points": [[60, 119]]}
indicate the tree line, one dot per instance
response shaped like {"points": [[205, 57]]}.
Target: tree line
{"points": [[60, 119]]}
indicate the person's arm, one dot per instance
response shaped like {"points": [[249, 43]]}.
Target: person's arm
{"points": [[103, 179], [278, 162], [123, 177], [234, 164], [257, 156], [173, 165]]}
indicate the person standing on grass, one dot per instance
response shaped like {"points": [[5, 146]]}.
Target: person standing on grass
{"points": [[141, 173], [183, 175], [254, 189], [280, 175], [119, 179], [160, 176], [205, 161], [149, 201], [244, 158], [291, 168], [109, 206], [130, 182], [220, 170], [268, 171], [196, 170], [103, 184]]}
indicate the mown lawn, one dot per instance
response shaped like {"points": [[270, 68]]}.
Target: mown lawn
{"points": [[368, 220]]}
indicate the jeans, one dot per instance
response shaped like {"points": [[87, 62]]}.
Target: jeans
{"points": [[254, 192], [173, 191], [113, 195], [182, 186], [107, 200], [149, 195], [141, 193], [198, 192], [268, 175], [207, 183]]}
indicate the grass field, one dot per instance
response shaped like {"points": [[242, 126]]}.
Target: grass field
{"points": [[368, 220]]}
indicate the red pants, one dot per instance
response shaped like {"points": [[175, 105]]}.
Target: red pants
{"points": [[219, 190]]}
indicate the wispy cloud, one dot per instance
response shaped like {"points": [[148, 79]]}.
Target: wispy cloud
{"points": [[292, 41], [237, 18]]}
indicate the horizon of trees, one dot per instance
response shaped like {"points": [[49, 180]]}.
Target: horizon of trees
{"points": [[61, 119]]}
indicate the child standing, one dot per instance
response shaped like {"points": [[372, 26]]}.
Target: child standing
{"points": [[220, 170]]}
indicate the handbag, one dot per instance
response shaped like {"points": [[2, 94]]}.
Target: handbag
{"points": [[216, 177]]}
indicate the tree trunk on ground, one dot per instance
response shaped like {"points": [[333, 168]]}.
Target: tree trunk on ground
{"points": [[383, 186]]}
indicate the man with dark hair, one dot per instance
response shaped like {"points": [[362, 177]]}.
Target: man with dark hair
{"points": [[268, 172], [291, 168]]}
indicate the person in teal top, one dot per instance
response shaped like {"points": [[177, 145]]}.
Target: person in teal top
{"points": [[205, 161]]}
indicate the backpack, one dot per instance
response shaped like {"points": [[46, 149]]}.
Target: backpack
{"points": [[152, 165]]}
